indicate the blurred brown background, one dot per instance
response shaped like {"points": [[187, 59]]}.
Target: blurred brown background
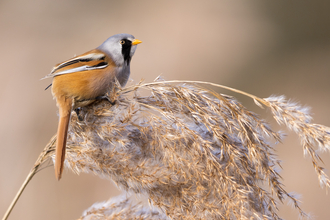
{"points": [[262, 47]]}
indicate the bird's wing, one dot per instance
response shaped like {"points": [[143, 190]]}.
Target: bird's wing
{"points": [[91, 60]]}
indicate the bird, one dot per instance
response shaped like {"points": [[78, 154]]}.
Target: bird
{"points": [[83, 79]]}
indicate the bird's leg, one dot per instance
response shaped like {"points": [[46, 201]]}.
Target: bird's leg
{"points": [[111, 95], [77, 110]]}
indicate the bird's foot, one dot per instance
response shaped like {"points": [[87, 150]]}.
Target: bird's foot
{"points": [[112, 102], [77, 110]]}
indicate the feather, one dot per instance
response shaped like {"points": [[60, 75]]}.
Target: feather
{"points": [[65, 107], [88, 61]]}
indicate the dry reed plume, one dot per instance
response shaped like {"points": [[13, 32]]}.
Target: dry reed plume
{"points": [[194, 153], [122, 207]]}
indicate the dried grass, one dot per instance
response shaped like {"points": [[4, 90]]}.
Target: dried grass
{"points": [[194, 153], [120, 208]]}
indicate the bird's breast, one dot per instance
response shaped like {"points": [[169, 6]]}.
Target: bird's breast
{"points": [[123, 74]]}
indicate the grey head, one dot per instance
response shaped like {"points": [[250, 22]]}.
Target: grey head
{"points": [[120, 48]]}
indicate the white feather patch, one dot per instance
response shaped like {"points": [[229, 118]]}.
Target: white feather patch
{"points": [[93, 56], [79, 69]]}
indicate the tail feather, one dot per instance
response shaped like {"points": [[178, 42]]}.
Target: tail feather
{"points": [[65, 107]]}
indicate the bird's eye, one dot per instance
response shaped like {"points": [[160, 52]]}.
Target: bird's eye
{"points": [[122, 42]]}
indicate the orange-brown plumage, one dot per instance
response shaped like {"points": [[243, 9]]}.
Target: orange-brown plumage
{"points": [[84, 85], [75, 90], [81, 80]]}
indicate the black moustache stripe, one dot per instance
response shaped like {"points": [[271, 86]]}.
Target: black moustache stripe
{"points": [[126, 50]]}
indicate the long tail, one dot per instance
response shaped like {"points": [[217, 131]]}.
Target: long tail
{"points": [[65, 107]]}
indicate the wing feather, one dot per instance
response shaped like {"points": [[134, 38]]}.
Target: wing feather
{"points": [[94, 59]]}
